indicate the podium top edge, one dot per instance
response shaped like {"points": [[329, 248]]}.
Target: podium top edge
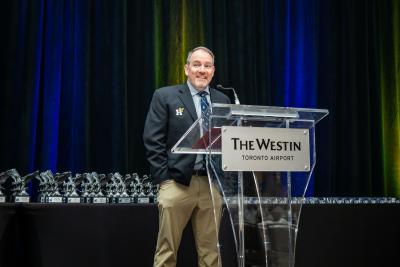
{"points": [[270, 111], [234, 106]]}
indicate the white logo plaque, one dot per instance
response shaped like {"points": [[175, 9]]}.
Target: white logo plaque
{"points": [[265, 149]]}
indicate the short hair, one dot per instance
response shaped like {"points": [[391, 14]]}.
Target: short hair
{"points": [[199, 48]]}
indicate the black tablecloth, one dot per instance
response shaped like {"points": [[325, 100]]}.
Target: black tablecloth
{"points": [[113, 235]]}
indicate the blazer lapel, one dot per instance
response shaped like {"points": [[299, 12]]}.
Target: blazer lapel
{"points": [[187, 100]]}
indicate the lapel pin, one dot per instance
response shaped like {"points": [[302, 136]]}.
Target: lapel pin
{"points": [[179, 111]]}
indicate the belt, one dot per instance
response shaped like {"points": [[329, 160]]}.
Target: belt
{"points": [[200, 172]]}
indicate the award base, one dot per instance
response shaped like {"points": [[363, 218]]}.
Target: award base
{"points": [[143, 200], [72, 200], [99, 200], [124, 200], [20, 199], [2, 199], [54, 200]]}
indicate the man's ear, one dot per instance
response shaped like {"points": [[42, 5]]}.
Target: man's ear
{"points": [[186, 69]]}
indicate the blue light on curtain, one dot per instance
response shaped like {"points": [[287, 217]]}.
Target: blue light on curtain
{"points": [[72, 130], [294, 42], [53, 44], [54, 84]]}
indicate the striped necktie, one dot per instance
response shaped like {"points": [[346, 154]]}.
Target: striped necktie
{"points": [[205, 111], [205, 114]]}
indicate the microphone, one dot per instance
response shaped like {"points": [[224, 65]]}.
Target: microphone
{"points": [[234, 92]]}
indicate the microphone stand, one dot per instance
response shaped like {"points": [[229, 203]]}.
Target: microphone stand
{"points": [[237, 102]]}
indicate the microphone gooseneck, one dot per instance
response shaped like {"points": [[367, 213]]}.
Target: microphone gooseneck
{"points": [[237, 102]]}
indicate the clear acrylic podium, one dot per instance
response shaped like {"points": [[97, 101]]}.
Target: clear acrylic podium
{"points": [[262, 207]]}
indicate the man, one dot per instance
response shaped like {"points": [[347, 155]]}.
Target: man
{"points": [[184, 192]]}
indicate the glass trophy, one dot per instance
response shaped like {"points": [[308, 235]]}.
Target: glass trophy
{"points": [[3, 179], [143, 189], [55, 186], [87, 188], [134, 187], [70, 189], [18, 186], [43, 187], [97, 194], [123, 196], [51, 191]]}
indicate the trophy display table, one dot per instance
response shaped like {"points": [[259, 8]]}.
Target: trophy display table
{"points": [[114, 235]]}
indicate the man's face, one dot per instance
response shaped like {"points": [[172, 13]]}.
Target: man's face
{"points": [[200, 70]]}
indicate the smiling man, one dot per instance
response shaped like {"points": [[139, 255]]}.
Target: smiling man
{"points": [[184, 191], [200, 68]]}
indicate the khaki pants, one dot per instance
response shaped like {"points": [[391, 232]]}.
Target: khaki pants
{"points": [[177, 204]]}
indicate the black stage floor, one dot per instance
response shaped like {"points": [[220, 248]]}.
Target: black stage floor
{"points": [[114, 235]]}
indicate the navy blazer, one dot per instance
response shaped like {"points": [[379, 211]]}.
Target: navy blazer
{"points": [[163, 128]]}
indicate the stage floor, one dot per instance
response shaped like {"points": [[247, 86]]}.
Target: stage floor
{"points": [[113, 235]]}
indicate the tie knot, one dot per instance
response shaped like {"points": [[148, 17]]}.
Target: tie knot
{"points": [[202, 94]]}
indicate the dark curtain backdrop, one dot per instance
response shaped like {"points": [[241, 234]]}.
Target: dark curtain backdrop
{"points": [[77, 77]]}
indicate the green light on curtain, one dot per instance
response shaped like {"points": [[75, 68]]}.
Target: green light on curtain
{"points": [[157, 43], [390, 103], [185, 31]]}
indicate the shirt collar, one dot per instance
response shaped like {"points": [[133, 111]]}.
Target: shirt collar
{"points": [[194, 91]]}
